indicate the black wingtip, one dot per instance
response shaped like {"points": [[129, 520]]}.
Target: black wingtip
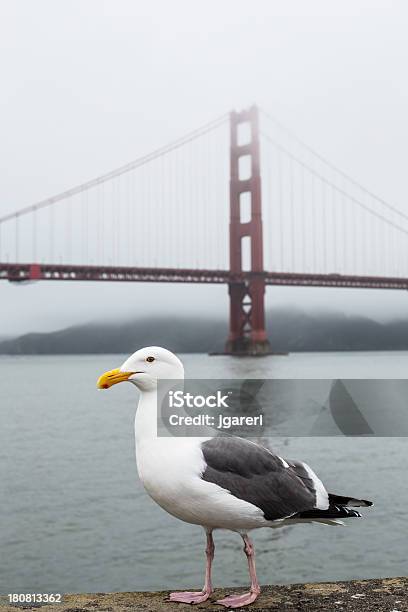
{"points": [[348, 501]]}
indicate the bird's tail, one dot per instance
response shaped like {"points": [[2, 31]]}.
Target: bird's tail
{"points": [[332, 512], [338, 508]]}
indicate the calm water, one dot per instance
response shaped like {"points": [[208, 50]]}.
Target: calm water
{"points": [[74, 516]]}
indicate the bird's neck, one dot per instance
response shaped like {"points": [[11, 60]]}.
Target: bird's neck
{"points": [[146, 416]]}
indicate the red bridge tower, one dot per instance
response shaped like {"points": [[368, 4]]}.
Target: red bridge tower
{"points": [[247, 334]]}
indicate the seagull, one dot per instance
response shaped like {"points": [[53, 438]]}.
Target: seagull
{"points": [[219, 482]]}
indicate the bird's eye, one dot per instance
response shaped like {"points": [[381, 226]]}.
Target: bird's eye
{"points": [[149, 359]]}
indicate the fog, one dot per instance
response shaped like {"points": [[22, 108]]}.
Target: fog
{"points": [[89, 85]]}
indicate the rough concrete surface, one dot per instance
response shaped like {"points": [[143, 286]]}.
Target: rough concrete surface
{"points": [[382, 595]]}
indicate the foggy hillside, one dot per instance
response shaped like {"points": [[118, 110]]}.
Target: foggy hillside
{"points": [[289, 331]]}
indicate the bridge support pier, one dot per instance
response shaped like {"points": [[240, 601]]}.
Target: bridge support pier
{"points": [[247, 319], [247, 334]]}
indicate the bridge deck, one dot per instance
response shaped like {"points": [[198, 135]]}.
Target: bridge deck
{"points": [[26, 272]]}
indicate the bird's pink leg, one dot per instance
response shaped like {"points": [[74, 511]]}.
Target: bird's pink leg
{"points": [[237, 601], [195, 597]]}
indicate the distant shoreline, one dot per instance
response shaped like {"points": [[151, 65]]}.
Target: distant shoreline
{"points": [[333, 351], [289, 331]]}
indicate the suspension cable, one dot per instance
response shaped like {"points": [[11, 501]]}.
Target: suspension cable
{"points": [[332, 166], [103, 178], [333, 185]]}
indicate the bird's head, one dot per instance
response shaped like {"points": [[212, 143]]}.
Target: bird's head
{"points": [[144, 368]]}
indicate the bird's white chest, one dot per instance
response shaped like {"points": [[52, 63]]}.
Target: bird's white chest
{"points": [[170, 470], [167, 466]]}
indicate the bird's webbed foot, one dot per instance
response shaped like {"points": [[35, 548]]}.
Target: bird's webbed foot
{"points": [[190, 597], [238, 601]]}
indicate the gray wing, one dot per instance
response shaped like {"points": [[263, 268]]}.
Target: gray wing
{"points": [[254, 474]]}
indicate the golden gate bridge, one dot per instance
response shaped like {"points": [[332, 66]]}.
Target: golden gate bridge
{"points": [[195, 211]]}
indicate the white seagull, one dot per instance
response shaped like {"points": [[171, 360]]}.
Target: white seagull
{"points": [[222, 482]]}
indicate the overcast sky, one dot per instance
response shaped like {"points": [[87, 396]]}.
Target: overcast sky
{"points": [[89, 85]]}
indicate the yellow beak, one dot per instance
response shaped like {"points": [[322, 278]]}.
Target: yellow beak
{"points": [[113, 377]]}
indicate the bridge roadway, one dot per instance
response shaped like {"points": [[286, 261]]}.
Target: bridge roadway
{"points": [[29, 272]]}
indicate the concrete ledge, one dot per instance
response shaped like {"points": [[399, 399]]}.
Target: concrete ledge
{"points": [[381, 595]]}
